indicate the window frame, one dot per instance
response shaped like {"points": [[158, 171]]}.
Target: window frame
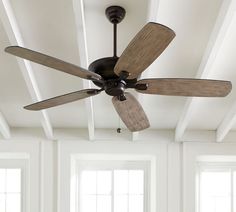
{"points": [[22, 164], [215, 167], [95, 162]]}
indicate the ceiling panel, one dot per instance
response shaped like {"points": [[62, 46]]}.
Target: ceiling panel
{"points": [[192, 22], [183, 56], [210, 112], [49, 27], [13, 91]]}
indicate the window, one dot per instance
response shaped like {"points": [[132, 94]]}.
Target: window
{"points": [[112, 190], [217, 188], [10, 190], [111, 185]]}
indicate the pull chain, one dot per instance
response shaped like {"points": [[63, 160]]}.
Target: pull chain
{"points": [[119, 127]]}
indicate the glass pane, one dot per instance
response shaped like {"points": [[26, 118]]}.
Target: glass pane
{"points": [[2, 180], [215, 191], [121, 181], [13, 180], [88, 182], [104, 182], [121, 203], [136, 181], [13, 203], [2, 203], [103, 203], [88, 203], [222, 204], [136, 203]]}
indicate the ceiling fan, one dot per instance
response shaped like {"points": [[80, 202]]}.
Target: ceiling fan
{"points": [[115, 74]]}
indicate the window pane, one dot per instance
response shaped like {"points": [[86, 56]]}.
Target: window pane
{"points": [[136, 181], [2, 180], [2, 202], [136, 203], [222, 204], [215, 191], [97, 191], [13, 180], [104, 182], [121, 181], [121, 203], [88, 203], [13, 203], [88, 182], [103, 203]]}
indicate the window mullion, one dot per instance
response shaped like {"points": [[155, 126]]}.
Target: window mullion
{"points": [[96, 194], [198, 197], [22, 188], [232, 190], [128, 192], [6, 190], [112, 191]]}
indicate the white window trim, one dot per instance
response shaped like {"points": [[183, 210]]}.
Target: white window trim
{"points": [[214, 167], [78, 160], [19, 161]]}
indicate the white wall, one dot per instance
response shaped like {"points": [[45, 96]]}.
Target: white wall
{"points": [[191, 153], [175, 167]]}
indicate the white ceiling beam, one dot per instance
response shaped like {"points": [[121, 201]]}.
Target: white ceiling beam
{"points": [[227, 124], [78, 6], [4, 127], [15, 38], [218, 34], [153, 7]]}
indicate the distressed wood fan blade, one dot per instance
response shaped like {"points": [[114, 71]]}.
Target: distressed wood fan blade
{"points": [[131, 113], [63, 99], [184, 87], [146, 46], [52, 62]]}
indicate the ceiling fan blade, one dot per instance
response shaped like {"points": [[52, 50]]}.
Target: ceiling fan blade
{"points": [[52, 62], [63, 99], [146, 46], [184, 87], [131, 113]]}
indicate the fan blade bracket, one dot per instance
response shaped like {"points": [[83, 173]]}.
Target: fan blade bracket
{"points": [[96, 79], [121, 98], [141, 87], [124, 75], [93, 92]]}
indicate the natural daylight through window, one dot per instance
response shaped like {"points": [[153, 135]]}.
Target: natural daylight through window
{"points": [[112, 191], [10, 190], [217, 189]]}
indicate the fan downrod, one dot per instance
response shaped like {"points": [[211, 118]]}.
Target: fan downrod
{"points": [[113, 85]]}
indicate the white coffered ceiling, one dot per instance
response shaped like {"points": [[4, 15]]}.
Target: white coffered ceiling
{"points": [[204, 47]]}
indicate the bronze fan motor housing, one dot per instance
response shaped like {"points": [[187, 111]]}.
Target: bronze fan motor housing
{"points": [[114, 85], [114, 74]]}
